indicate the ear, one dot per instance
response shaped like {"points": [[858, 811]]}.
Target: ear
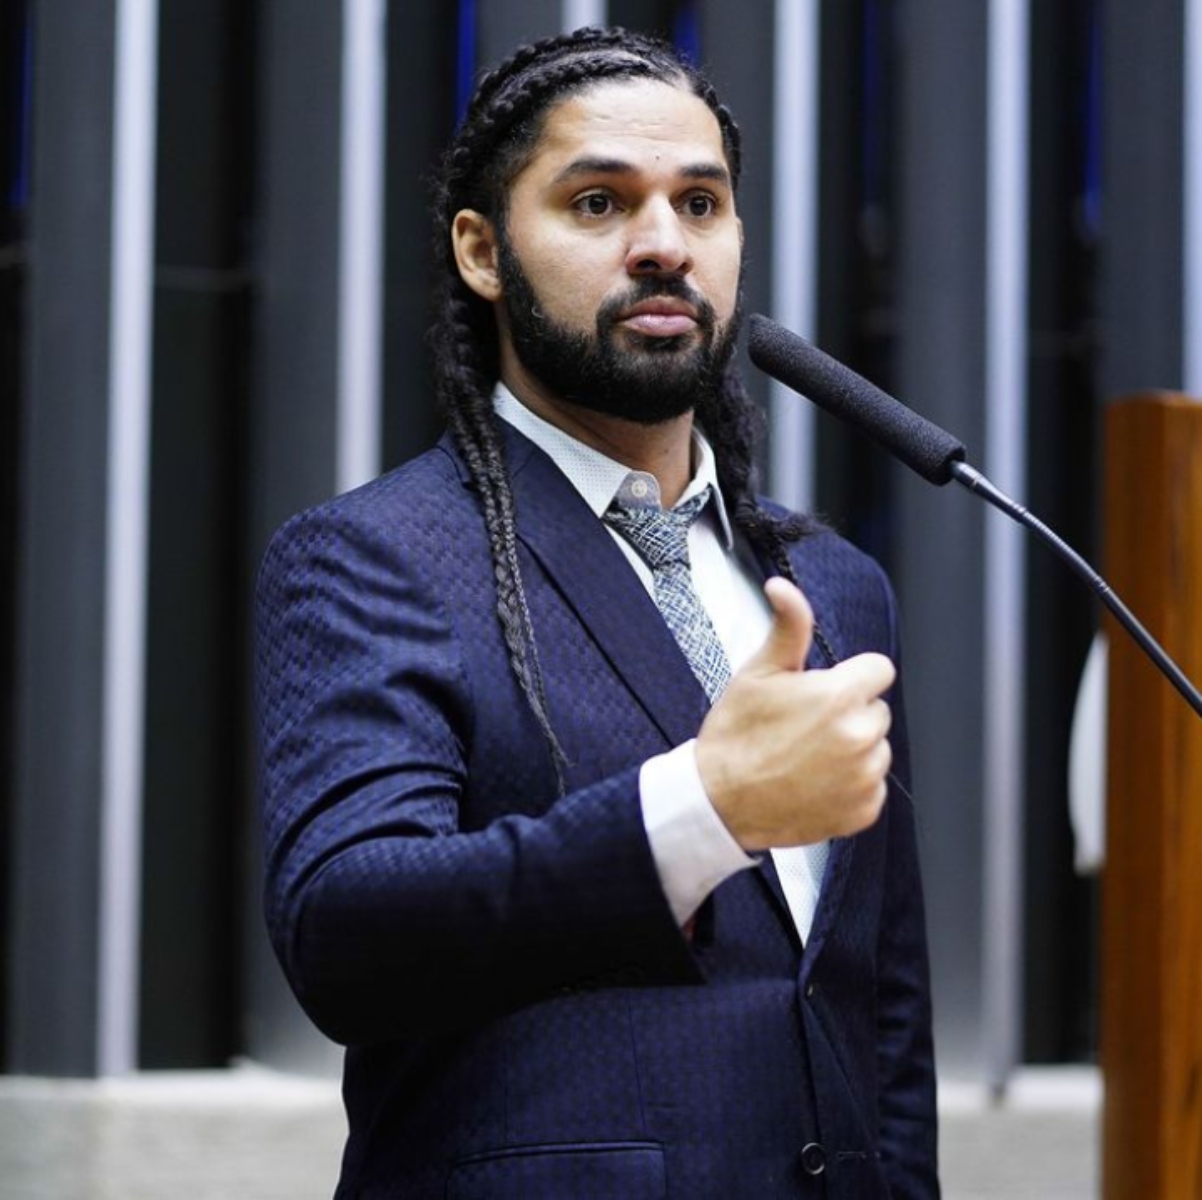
{"points": [[475, 243]]}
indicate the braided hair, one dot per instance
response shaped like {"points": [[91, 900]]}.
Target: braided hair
{"points": [[498, 137]]}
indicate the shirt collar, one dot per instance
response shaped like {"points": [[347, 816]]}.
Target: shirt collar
{"points": [[597, 477]]}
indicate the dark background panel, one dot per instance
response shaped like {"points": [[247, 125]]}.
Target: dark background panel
{"points": [[15, 45], [859, 225], [197, 658], [1063, 447], [423, 70], [53, 877]]}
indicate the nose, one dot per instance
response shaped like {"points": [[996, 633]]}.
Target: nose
{"points": [[657, 241]]}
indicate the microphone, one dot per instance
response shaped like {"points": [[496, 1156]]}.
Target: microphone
{"points": [[800, 365], [930, 451]]}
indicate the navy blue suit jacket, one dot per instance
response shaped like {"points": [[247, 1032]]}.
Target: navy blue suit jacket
{"points": [[523, 1017]]}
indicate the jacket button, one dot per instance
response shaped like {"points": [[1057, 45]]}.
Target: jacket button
{"points": [[813, 1159]]}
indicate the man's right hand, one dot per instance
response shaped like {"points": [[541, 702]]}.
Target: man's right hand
{"points": [[790, 756]]}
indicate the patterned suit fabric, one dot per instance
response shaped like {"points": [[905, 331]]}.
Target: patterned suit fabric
{"points": [[522, 1015]]}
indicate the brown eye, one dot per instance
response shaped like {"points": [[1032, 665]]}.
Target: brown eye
{"points": [[701, 205], [595, 204]]}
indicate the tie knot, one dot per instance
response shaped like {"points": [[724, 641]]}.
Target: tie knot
{"points": [[660, 535]]}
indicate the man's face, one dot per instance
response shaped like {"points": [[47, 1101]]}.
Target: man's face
{"points": [[619, 264]]}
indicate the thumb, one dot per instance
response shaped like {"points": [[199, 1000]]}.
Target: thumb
{"points": [[788, 641]]}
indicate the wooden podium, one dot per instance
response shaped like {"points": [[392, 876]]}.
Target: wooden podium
{"points": [[1151, 989]]}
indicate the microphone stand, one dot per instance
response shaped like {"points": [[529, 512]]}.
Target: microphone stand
{"points": [[972, 479]]}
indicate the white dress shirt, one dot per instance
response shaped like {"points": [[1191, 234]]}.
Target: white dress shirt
{"points": [[692, 848]]}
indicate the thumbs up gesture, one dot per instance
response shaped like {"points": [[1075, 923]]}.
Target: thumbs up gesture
{"points": [[788, 755]]}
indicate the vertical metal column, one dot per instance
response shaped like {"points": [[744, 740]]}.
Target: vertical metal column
{"points": [[577, 13], [361, 242], [940, 535], [796, 72], [1005, 545], [128, 507], [62, 733]]}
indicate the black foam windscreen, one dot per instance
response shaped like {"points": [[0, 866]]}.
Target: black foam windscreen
{"points": [[800, 365]]}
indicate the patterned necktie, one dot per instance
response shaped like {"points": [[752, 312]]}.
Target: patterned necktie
{"points": [[661, 536]]}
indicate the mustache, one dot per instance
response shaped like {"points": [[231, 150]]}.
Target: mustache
{"points": [[653, 287]]}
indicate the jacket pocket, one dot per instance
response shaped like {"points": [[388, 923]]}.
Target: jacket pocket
{"points": [[589, 1171]]}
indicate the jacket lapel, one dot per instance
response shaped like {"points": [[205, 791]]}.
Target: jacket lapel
{"points": [[582, 561]]}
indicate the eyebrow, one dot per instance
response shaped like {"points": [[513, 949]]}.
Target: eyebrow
{"points": [[617, 166]]}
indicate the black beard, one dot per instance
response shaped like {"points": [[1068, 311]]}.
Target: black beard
{"points": [[648, 380]]}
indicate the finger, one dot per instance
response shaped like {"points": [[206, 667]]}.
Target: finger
{"points": [[884, 715], [881, 760], [870, 724], [788, 641], [865, 675]]}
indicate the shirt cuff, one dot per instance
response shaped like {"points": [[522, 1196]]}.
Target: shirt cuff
{"points": [[692, 848]]}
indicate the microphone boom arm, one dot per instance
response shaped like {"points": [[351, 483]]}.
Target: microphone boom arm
{"points": [[972, 479], [928, 450]]}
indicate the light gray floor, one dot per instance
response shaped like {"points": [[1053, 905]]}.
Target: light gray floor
{"points": [[1040, 1143], [250, 1134]]}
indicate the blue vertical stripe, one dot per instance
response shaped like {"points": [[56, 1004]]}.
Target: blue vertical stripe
{"points": [[20, 114], [465, 58], [686, 31]]}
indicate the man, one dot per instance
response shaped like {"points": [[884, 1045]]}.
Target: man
{"points": [[598, 857]]}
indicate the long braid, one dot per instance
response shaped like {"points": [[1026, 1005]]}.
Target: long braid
{"points": [[497, 138], [465, 394]]}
